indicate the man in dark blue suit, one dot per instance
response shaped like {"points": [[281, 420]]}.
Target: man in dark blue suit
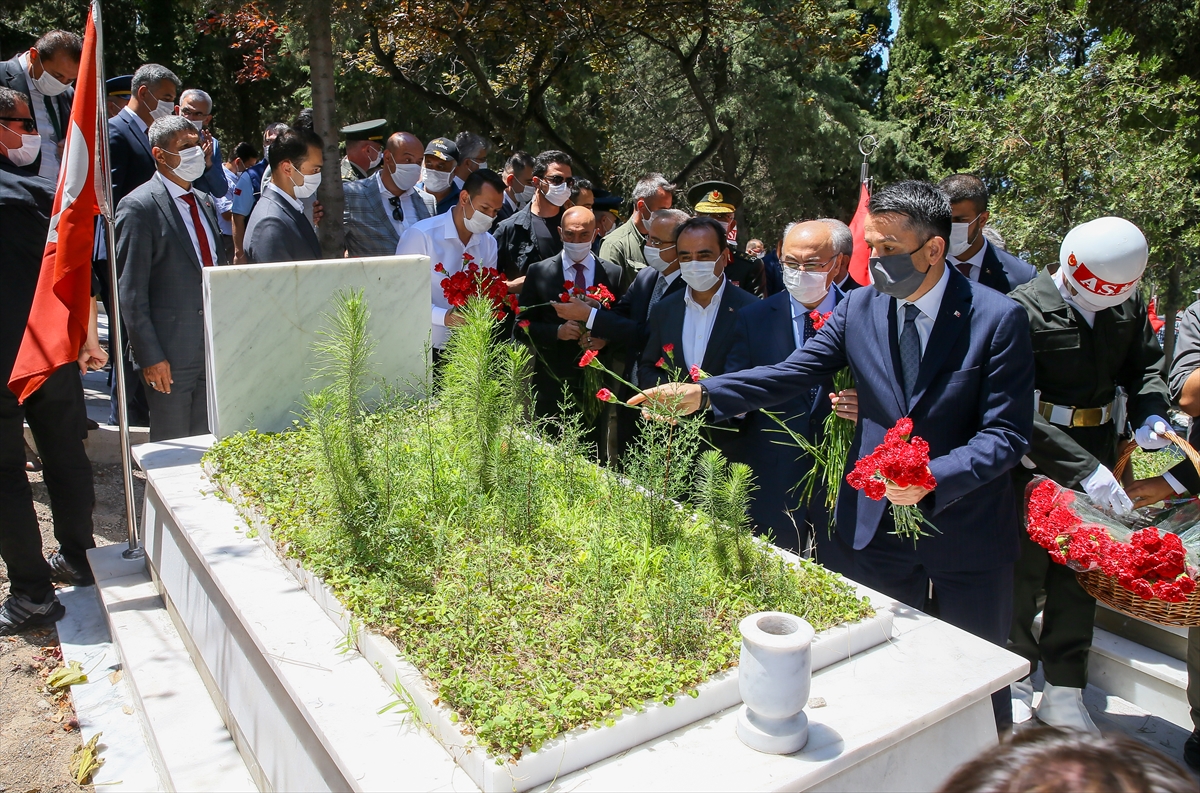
{"points": [[970, 253], [768, 332], [925, 343], [154, 90]]}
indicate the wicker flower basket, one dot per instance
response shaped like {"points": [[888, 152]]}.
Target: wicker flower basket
{"points": [[1106, 589]]}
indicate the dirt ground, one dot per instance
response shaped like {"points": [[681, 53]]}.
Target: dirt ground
{"points": [[38, 731]]}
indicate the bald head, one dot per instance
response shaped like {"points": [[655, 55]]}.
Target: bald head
{"points": [[405, 148], [578, 225]]}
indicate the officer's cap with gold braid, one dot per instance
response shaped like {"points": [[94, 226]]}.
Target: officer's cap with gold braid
{"points": [[714, 198], [375, 129]]}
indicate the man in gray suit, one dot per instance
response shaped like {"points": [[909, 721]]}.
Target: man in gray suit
{"points": [[381, 207], [277, 230], [166, 234]]}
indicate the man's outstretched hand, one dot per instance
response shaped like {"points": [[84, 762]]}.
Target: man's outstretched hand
{"points": [[673, 399]]}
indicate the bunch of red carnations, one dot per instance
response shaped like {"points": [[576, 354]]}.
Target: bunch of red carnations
{"points": [[902, 460], [1148, 562], [475, 281], [599, 293]]}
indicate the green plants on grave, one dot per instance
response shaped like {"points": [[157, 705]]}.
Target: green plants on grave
{"points": [[536, 591]]}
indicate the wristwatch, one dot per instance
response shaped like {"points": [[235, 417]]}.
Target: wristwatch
{"points": [[705, 402]]}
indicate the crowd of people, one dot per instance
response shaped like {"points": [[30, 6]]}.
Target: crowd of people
{"points": [[1007, 372]]}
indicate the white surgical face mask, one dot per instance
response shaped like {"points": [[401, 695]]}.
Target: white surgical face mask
{"points": [[199, 125], [191, 164], [526, 195], [960, 237], [407, 175], [436, 181], [654, 258], [374, 163], [699, 275], [30, 146], [309, 186], [558, 194], [48, 84], [161, 109], [576, 251], [478, 222], [807, 288]]}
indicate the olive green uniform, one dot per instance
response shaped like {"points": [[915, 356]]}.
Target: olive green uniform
{"points": [[1076, 366], [623, 247], [350, 171]]}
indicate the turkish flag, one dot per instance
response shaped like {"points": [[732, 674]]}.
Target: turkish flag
{"points": [[58, 321], [858, 262], [1156, 322]]}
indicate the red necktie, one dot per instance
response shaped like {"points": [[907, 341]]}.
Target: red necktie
{"points": [[965, 268], [580, 277], [201, 235]]}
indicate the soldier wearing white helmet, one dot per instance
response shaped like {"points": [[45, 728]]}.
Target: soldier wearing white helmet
{"points": [[1091, 337]]}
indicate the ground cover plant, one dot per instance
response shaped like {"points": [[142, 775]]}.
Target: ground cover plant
{"points": [[535, 590]]}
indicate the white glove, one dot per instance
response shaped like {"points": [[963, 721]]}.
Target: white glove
{"points": [[1106, 492], [1149, 435]]}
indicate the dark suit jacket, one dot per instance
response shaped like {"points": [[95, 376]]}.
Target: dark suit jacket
{"points": [[627, 322], [277, 232], [1002, 271], [26, 201], [554, 358], [764, 337], [129, 156], [12, 75], [973, 403], [1186, 361], [213, 180], [666, 327], [520, 242], [161, 289]]}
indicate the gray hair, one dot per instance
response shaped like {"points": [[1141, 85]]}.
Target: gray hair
{"points": [[196, 93], [676, 216], [9, 99], [650, 184], [150, 75], [840, 236], [163, 132], [994, 237], [470, 145]]}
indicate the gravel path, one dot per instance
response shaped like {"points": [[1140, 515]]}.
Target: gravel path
{"points": [[37, 726]]}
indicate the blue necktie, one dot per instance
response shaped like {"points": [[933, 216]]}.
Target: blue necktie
{"points": [[910, 351], [809, 331]]}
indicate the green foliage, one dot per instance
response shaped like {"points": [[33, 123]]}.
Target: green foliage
{"points": [[537, 592]]}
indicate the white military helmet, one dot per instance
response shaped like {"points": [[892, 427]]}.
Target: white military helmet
{"points": [[1103, 260]]}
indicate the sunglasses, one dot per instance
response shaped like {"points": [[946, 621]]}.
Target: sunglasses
{"points": [[557, 180], [29, 124]]}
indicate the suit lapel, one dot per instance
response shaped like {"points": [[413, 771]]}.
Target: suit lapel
{"points": [[722, 326], [991, 272], [785, 334], [953, 316], [883, 310], [136, 133], [214, 228], [167, 205]]}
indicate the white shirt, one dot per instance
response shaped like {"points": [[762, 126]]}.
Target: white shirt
{"points": [[799, 309], [698, 323], [225, 202], [406, 205], [437, 238], [975, 261], [295, 202], [48, 168], [177, 193], [1088, 316], [929, 303]]}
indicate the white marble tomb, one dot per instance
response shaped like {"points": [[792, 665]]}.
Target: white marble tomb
{"points": [[261, 320]]}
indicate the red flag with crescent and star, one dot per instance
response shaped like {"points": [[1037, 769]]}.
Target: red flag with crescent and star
{"points": [[858, 261], [58, 320]]}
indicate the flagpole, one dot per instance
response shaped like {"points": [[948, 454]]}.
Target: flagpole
{"points": [[116, 342], [866, 146]]}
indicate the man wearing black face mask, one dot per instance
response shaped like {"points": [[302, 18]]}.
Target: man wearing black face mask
{"points": [[928, 344]]}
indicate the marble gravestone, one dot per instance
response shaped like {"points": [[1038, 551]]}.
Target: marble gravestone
{"points": [[261, 320]]}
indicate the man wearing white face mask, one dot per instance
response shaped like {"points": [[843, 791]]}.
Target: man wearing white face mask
{"points": [[154, 89], [382, 207], [531, 235], [623, 246], [166, 233], [970, 252], [45, 73], [437, 176], [277, 230], [811, 257], [518, 176], [364, 149], [197, 107]]}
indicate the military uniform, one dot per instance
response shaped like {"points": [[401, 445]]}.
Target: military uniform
{"points": [[1077, 367], [373, 130], [720, 200]]}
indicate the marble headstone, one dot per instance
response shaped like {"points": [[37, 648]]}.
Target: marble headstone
{"points": [[261, 320]]}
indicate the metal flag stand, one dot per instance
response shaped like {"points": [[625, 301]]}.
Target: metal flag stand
{"points": [[116, 342], [867, 145]]}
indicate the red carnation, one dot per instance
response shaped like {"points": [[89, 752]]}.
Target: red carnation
{"points": [[587, 358], [668, 348], [819, 319], [604, 395], [660, 363], [695, 373], [523, 324]]}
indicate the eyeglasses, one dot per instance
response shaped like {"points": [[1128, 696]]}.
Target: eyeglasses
{"points": [[557, 180], [29, 124], [662, 245], [811, 266]]}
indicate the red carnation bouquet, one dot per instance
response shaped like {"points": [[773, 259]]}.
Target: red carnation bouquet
{"points": [[598, 294], [474, 281], [902, 460], [1148, 562]]}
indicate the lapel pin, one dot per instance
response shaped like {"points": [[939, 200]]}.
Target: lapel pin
{"points": [[957, 314]]}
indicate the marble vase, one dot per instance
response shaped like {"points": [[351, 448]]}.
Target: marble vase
{"points": [[774, 675]]}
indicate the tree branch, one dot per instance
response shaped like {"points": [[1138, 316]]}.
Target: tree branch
{"points": [[697, 161], [388, 61]]}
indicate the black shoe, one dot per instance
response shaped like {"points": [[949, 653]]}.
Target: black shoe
{"points": [[18, 614], [1191, 750], [67, 573]]}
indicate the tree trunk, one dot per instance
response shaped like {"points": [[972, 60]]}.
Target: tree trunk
{"points": [[1169, 308], [320, 54]]}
